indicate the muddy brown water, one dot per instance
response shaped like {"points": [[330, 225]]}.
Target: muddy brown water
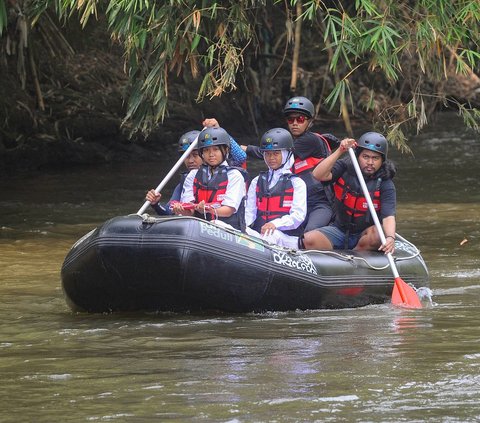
{"points": [[371, 364]]}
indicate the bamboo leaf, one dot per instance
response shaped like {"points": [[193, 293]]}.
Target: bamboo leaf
{"points": [[3, 16]]}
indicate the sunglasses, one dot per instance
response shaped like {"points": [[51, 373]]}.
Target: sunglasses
{"points": [[300, 119]]}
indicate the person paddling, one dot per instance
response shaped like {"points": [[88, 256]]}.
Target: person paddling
{"points": [[216, 190], [354, 227], [193, 161], [237, 157], [276, 200]]}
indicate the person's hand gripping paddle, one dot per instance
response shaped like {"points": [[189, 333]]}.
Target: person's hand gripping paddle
{"points": [[169, 175], [403, 295]]}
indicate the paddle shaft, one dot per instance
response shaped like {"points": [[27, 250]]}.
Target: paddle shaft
{"points": [[170, 174], [372, 209]]}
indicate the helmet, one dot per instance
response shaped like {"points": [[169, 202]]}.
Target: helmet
{"points": [[375, 142], [300, 105], [213, 136], [186, 140], [276, 139]]}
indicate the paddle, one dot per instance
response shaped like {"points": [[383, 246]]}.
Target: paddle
{"points": [[170, 174], [403, 294]]}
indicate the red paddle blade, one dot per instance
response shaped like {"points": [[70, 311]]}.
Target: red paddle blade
{"points": [[404, 295]]}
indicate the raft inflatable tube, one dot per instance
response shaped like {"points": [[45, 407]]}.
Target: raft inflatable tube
{"points": [[185, 264]]}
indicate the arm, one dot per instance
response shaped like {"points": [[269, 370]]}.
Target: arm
{"points": [[161, 210], [323, 171], [253, 151], [388, 200], [235, 193], [165, 210], [251, 204], [389, 226], [237, 155], [154, 199], [186, 195]]}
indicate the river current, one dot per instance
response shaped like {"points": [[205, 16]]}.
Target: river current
{"points": [[371, 364]]}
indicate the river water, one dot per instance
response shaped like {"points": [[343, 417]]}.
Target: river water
{"points": [[371, 364]]}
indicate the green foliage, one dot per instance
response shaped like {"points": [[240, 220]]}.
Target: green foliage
{"points": [[407, 49], [412, 45], [160, 38], [3, 16]]}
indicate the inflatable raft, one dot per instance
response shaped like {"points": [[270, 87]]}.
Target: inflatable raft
{"points": [[184, 264]]}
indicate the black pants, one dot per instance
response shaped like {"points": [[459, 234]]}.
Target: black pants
{"points": [[318, 217]]}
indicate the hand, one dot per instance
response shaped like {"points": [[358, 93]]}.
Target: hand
{"points": [[153, 197], [210, 123], [201, 207], [243, 147], [389, 246], [177, 208], [347, 143], [268, 228]]}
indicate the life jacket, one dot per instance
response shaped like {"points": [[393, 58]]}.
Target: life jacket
{"points": [[183, 176], [318, 194], [310, 163], [351, 206], [275, 202], [213, 190]]}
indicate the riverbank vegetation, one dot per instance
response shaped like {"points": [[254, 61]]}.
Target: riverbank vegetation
{"points": [[393, 64]]}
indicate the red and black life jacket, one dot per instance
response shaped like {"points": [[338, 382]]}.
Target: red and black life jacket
{"points": [[318, 194], [300, 166], [213, 190], [352, 213], [275, 202]]}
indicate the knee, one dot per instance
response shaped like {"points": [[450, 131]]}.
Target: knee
{"points": [[308, 240], [370, 240], [314, 240]]}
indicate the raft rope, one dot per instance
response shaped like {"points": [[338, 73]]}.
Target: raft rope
{"points": [[346, 257], [349, 257]]}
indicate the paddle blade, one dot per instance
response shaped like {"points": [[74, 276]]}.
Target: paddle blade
{"points": [[404, 295]]}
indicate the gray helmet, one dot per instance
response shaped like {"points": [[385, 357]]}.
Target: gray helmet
{"points": [[213, 136], [186, 140], [300, 105], [276, 139], [375, 142]]}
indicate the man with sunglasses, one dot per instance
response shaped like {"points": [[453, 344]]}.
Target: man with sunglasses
{"points": [[353, 227]]}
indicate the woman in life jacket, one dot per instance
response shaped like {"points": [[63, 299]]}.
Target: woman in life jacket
{"points": [[276, 199], [353, 227], [216, 189], [192, 161]]}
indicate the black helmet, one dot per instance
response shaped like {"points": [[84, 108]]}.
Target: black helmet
{"points": [[186, 140], [375, 142], [276, 139], [300, 105], [213, 136]]}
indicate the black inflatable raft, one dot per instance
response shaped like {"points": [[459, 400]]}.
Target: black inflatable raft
{"points": [[179, 264]]}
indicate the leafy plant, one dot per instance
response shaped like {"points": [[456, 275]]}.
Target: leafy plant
{"points": [[405, 50]]}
